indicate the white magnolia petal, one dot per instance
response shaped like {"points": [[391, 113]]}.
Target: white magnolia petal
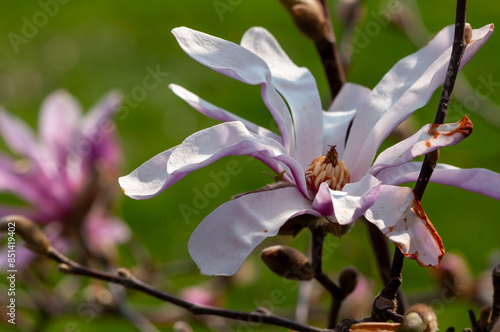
{"points": [[350, 96], [337, 119], [354, 199], [323, 200], [225, 238], [399, 215], [427, 139], [479, 180], [335, 126], [230, 138], [150, 178], [200, 150], [217, 113], [297, 86], [239, 63], [58, 123], [406, 87]]}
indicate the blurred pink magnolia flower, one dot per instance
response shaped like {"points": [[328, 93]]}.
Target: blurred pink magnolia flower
{"points": [[197, 295], [339, 183], [65, 174]]}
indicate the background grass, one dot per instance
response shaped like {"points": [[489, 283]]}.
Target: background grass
{"points": [[90, 48]]}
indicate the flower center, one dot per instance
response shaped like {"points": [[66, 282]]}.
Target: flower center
{"points": [[327, 169]]}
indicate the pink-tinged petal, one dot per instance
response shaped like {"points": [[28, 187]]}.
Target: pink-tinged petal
{"points": [[7, 210], [427, 139], [479, 180], [337, 119], [96, 139], [225, 238], [297, 86], [405, 88], [58, 124], [98, 117], [150, 178], [24, 257], [23, 181], [399, 215], [352, 202], [198, 295], [105, 230], [230, 138], [335, 126], [323, 200], [217, 113], [18, 137], [239, 63], [202, 149], [96, 130]]}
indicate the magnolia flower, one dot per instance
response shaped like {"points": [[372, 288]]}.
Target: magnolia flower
{"points": [[64, 174], [322, 175]]}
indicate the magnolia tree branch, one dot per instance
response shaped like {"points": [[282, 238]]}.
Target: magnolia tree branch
{"points": [[389, 293], [318, 236], [126, 279], [383, 258], [329, 53]]}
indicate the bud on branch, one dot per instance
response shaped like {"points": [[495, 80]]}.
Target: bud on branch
{"points": [[288, 263], [28, 231]]}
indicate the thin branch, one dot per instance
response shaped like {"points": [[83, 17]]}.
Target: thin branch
{"points": [[430, 160], [318, 236], [381, 250], [126, 279], [330, 57], [383, 257]]}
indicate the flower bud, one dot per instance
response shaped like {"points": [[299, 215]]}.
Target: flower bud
{"points": [[181, 326], [65, 268], [28, 231], [468, 33], [420, 318], [308, 16], [287, 262], [123, 272], [348, 279]]}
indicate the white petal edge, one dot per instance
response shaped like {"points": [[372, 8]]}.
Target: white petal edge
{"points": [[352, 202], [227, 236], [405, 88], [337, 119], [297, 86], [478, 180], [239, 63], [399, 215], [217, 113], [202, 149], [427, 139]]}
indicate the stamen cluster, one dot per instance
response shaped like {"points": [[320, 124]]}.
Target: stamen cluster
{"points": [[327, 169]]}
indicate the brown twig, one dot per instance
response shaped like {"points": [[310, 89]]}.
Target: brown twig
{"points": [[430, 160], [330, 57], [383, 257], [318, 236], [123, 277]]}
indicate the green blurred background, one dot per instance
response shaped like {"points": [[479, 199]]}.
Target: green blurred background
{"points": [[90, 48]]}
